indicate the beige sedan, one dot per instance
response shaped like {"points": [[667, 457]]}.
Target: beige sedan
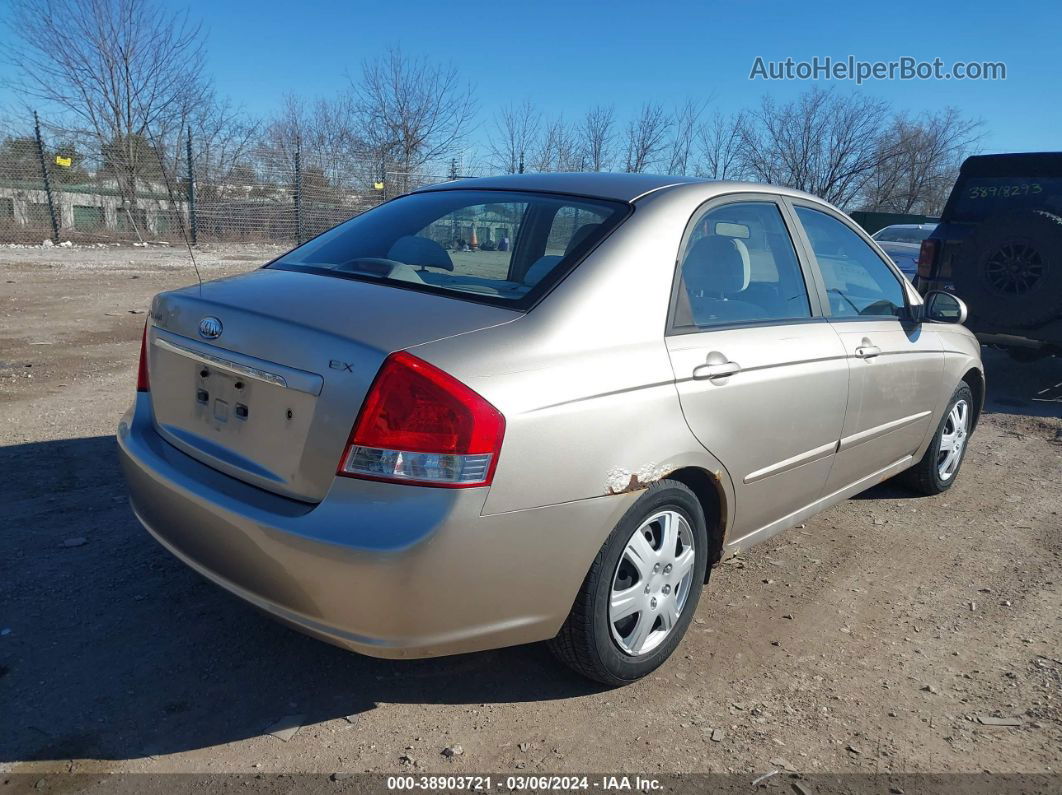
{"points": [[537, 407]]}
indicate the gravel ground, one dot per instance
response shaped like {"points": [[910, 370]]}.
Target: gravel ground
{"points": [[884, 636]]}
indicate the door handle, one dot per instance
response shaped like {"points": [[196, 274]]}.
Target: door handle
{"points": [[716, 366], [867, 349]]}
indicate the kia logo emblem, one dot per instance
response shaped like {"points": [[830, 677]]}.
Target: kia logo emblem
{"points": [[210, 328]]}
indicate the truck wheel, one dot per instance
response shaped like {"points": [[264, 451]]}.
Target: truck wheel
{"points": [[641, 591], [1010, 270]]}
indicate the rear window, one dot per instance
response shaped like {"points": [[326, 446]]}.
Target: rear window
{"points": [[497, 247], [976, 198], [903, 234]]}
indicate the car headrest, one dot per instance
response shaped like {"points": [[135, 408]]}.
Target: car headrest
{"points": [[421, 251], [580, 236], [716, 266], [540, 267]]}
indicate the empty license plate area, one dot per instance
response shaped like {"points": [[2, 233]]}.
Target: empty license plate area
{"points": [[224, 397], [253, 424]]}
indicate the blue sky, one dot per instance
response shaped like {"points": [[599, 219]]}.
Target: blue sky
{"points": [[567, 55]]}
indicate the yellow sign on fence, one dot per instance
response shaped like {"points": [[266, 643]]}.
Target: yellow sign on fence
{"points": [[378, 185], [65, 162]]}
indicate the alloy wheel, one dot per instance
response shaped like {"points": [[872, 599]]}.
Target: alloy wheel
{"points": [[953, 440]]}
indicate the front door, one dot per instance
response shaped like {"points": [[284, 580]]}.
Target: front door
{"points": [[762, 377], [895, 364]]}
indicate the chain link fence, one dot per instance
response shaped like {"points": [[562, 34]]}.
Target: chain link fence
{"points": [[57, 186]]}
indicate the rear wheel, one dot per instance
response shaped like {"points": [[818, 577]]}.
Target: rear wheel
{"points": [[939, 467], [641, 591]]}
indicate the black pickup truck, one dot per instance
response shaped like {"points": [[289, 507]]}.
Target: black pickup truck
{"points": [[999, 247]]}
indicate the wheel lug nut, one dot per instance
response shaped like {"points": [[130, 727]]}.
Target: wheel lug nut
{"points": [[647, 589], [667, 590], [652, 603], [667, 569], [656, 568]]}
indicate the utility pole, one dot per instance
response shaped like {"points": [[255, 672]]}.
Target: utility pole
{"points": [[298, 191], [191, 190], [47, 182]]}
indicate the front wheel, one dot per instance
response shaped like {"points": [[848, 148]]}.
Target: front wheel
{"points": [[939, 467], [641, 591]]}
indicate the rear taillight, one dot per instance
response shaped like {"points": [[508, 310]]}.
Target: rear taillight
{"points": [[142, 384], [927, 255], [421, 425]]}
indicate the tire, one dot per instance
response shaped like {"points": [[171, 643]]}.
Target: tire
{"points": [[927, 476], [618, 653], [1010, 269]]}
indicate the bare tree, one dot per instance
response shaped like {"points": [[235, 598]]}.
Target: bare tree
{"points": [[570, 155], [514, 137], [284, 132], [919, 160], [411, 111], [646, 137], [324, 132], [222, 137], [720, 147], [121, 71], [597, 136], [471, 163], [823, 142], [329, 138], [683, 136], [558, 149]]}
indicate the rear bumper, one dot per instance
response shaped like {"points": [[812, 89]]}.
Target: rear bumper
{"points": [[383, 569]]}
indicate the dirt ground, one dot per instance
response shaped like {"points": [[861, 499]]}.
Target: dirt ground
{"points": [[883, 636]]}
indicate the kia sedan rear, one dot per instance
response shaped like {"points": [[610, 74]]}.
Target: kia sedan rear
{"points": [[537, 407]]}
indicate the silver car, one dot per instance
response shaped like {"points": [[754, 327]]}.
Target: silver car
{"points": [[537, 407]]}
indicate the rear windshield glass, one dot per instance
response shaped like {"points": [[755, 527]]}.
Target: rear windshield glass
{"points": [[903, 234], [492, 246], [976, 198]]}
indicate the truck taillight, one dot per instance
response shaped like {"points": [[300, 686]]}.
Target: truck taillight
{"points": [[420, 425], [142, 383], [927, 255]]}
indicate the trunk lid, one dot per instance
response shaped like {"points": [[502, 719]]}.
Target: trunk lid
{"points": [[272, 397]]}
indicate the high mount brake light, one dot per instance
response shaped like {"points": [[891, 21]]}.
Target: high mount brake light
{"points": [[420, 425]]}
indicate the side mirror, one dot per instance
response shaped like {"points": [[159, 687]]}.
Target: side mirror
{"points": [[942, 307]]}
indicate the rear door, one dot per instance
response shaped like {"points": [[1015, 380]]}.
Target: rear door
{"points": [[761, 376], [896, 364]]}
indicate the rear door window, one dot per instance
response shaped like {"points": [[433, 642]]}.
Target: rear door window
{"points": [[738, 266]]}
